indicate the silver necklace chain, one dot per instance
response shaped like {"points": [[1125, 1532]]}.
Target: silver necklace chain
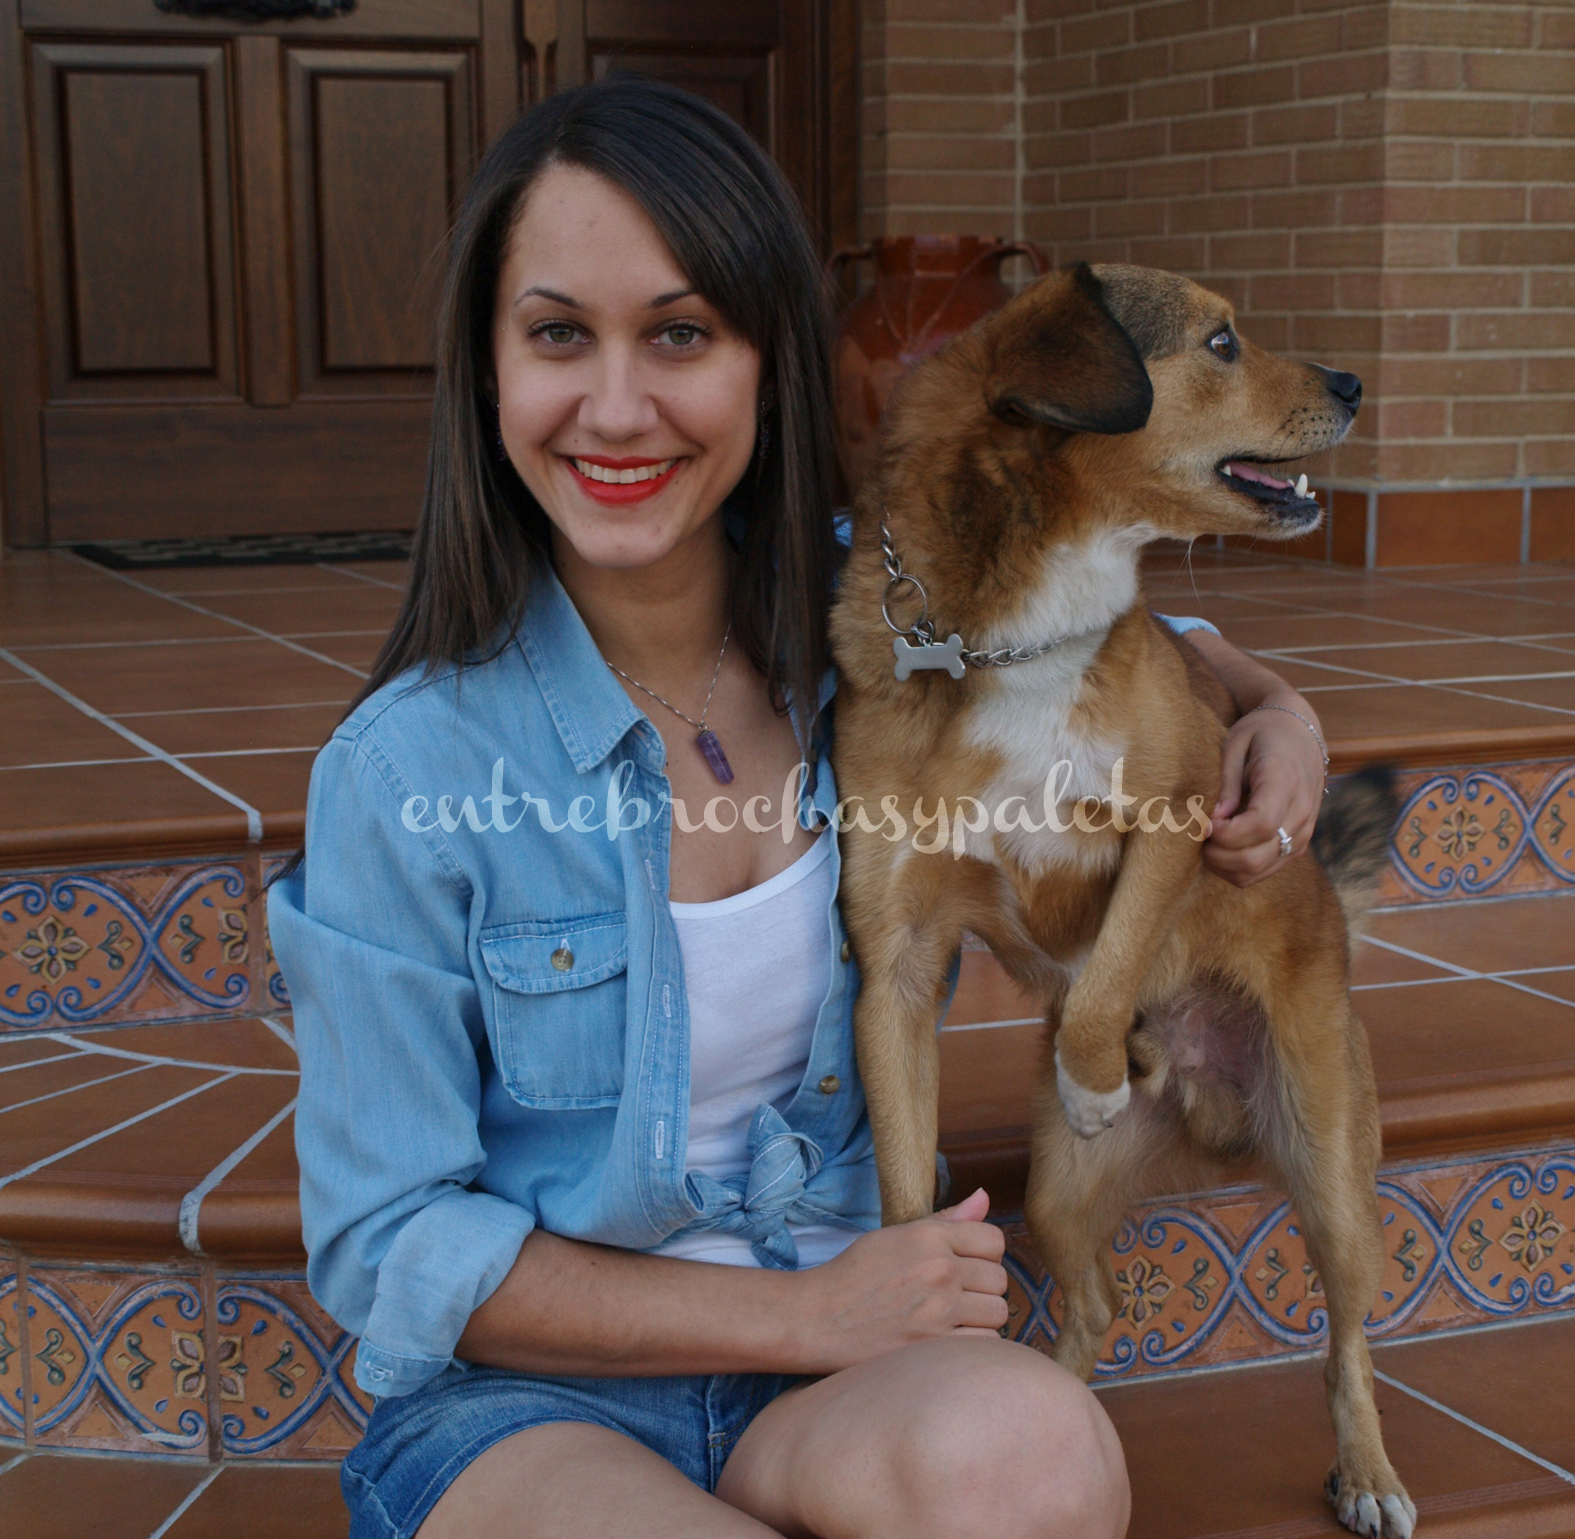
{"points": [[922, 631], [706, 708]]}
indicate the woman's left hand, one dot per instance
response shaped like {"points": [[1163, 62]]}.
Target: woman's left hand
{"points": [[1272, 779]]}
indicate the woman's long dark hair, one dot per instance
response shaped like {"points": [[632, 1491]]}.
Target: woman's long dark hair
{"points": [[735, 228]]}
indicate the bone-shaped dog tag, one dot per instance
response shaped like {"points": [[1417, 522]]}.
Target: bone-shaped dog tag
{"points": [[929, 654]]}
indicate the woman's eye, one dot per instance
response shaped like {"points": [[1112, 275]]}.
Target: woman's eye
{"points": [[1223, 345], [558, 333], [683, 334]]}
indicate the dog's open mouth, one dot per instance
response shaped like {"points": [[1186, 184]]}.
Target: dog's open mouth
{"points": [[1288, 500]]}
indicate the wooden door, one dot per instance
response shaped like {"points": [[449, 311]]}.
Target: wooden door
{"points": [[217, 289]]}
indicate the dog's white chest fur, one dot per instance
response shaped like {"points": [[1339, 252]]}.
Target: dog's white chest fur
{"points": [[1050, 759]]}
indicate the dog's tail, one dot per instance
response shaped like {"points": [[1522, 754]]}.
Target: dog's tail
{"points": [[1352, 838]]}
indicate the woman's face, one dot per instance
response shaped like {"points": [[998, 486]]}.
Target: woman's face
{"points": [[627, 405]]}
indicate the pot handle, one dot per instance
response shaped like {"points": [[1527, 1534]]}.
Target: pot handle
{"points": [[1027, 248], [864, 253]]}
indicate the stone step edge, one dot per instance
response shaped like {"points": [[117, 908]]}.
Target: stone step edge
{"points": [[260, 1221]]}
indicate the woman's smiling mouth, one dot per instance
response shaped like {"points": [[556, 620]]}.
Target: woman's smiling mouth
{"points": [[620, 480]]}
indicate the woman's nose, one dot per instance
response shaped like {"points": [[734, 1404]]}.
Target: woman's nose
{"points": [[617, 406]]}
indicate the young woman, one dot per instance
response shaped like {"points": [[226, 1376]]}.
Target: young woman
{"points": [[567, 1041]]}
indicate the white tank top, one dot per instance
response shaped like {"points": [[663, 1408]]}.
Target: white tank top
{"points": [[756, 970]]}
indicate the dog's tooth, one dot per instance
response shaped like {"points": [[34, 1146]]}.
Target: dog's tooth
{"points": [[1225, 470], [1301, 485]]}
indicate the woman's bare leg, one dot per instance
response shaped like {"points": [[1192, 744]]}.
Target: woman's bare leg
{"points": [[952, 1439], [569, 1479]]}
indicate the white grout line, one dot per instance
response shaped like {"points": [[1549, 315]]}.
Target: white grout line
{"points": [[214, 614], [191, 1203], [191, 1496], [234, 710], [376, 582], [11, 769], [1476, 1426], [11, 1068], [103, 1079], [12, 1463], [160, 1058], [254, 827], [1027, 1020], [279, 1029], [119, 1127], [1467, 973]]}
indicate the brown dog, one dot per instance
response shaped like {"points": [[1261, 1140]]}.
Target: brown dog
{"points": [[1025, 467]]}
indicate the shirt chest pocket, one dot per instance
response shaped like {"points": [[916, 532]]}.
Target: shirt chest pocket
{"points": [[559, 990]]}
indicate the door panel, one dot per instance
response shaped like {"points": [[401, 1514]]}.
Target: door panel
{"points": [[381, 149], [139, 268]]}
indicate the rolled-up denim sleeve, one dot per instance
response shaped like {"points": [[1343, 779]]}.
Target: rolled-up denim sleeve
{"points": [[371, 937], [1181, 624]]}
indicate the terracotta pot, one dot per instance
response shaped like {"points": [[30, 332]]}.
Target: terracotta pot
{"points": [[927, 288]]}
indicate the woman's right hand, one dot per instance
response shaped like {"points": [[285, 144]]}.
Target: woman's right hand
{"points": [[937, 1276]]}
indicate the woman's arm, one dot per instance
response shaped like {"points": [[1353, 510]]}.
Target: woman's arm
{"points": [[1271, 756], [582, 1310]]}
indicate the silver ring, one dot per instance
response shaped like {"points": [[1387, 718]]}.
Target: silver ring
{"points": [[1286, 846]]}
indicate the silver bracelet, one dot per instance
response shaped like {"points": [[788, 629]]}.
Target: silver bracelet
{"points": [[1317, 736]]}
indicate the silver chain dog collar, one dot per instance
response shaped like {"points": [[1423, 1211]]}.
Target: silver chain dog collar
{"points": [[915, 645]]}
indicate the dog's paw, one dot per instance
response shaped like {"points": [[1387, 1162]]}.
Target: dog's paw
{"points": [[1386, 1515], [1090, 1112]]}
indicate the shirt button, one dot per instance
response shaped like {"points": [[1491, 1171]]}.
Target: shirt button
{"points": [[847, 951], [562, 959], [830, 1085]]}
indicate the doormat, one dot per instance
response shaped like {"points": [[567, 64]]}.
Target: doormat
{"points": [[248, 550]]}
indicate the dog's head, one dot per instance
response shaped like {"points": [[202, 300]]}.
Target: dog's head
{"points": [[1128, 392]]}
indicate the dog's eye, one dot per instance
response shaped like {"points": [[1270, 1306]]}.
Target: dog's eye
{"points": [[1223, 345]]}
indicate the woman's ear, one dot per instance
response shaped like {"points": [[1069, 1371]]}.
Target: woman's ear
{"points": [[1062, 359]]}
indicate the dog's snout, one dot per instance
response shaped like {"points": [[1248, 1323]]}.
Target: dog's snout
{"points": [[1345, 388]]}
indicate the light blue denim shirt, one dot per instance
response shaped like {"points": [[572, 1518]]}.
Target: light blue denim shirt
{"points": [[490, 1006]]}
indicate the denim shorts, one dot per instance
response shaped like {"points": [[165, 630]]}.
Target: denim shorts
{"points": [[416, 1444]]}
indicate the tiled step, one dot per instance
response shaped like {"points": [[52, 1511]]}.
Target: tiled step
{"points": [[62, 1496], [1469, 1009], [1227, 1455], [1243, 1454]]}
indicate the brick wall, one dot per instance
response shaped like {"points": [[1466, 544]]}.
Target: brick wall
{"points": [[1386, 186]]}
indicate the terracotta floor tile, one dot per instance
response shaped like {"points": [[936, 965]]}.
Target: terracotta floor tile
{"points": [[1214, 1453], [201, 582], [176, 678], [988, 1077], [1426, 1032], [1561, 982], [1373, 965], [274, 783], [56, 1496], [1490, 936], [43, 612], [1291, 633], [256, 1502], [37, 727], [1484, 1376], [248, 1044], [1225, 610], [395, 573], [985, 993], [359, 650], [242, 730], [26, 1050], [183, 1142], [106, 794], [1398, 710], [58, 1081], [1305, 671], [1438, 660], [355, 606], [1481, 616], [1549, 694], [35, 1132]]}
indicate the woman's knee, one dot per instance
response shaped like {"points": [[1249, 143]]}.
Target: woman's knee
{"points": [[1012, 1446]]}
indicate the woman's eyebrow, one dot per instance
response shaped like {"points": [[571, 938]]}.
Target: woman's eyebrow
{"points": [[670, 299], [553, 295]]}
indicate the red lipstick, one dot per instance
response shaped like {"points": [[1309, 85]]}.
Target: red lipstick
{"points": [[616, 493]]}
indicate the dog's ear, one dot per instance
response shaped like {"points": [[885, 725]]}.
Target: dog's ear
{"points": [[1072, 366]]}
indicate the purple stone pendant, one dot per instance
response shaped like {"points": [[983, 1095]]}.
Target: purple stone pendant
{"points": [[712, 750]]}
